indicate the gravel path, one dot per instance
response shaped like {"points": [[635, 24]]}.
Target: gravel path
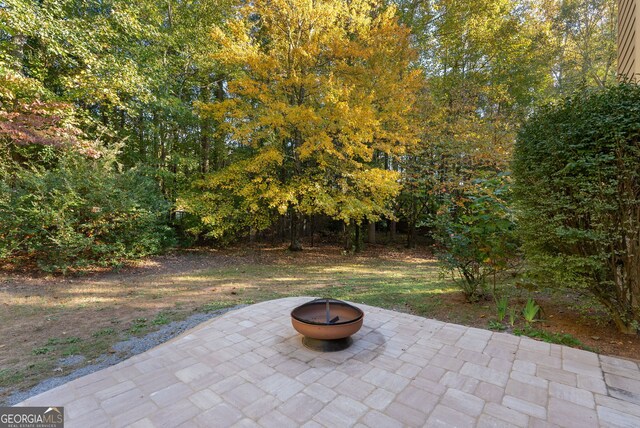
{"points": [[125, 349]]}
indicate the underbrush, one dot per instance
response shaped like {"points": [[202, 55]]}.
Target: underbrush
{"points": [[79, 213]]}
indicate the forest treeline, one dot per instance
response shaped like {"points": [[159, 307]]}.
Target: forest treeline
{"points": [[125, 126], [130, 127]]}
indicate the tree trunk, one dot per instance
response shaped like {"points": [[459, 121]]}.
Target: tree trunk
{"points": [[313, 229], [219, 145], [19, 42], [205, 132], [346, 228], [411, 235], [392, 230], [622, 325], [371, 235], [155, 139], [295, 244], [163, 147], [357, 238], [142, 146], [282, 228], [275, 232]]}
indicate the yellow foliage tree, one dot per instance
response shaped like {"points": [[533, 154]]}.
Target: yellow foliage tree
{"points": [[316, 88]]}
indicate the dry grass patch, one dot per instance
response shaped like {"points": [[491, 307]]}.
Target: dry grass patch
{"points": [[45, 319]]}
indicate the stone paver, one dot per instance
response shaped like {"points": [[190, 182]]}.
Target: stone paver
{"points": [[248, 368]]}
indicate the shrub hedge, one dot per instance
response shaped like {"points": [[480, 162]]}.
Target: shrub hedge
{"points": [[577, 188], [80, 212]]}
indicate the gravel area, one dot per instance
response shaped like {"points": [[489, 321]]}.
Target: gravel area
{"points": [[125, 349]]}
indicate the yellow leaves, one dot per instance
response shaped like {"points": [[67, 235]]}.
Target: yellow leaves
{"points": [[320, 147], [365, 193], [317, 87], [383, 183], [267, 157], [302, 118], [233, 43]]}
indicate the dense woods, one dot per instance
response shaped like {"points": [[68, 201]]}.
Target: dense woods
{"points": [[128, 127]]}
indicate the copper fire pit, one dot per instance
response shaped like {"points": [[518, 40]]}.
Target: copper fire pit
{"points": [[327, 324]]}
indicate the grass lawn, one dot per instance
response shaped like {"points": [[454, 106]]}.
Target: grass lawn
{"points": [[44, 320]]}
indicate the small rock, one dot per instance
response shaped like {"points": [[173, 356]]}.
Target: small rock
{"points": [[595, 337]]}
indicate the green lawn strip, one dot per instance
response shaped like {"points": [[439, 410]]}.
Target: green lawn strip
{"points": [[557, 338], [418, 287]]}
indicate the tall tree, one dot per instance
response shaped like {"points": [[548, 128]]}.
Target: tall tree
{"points": [[486, 64], [584, 42], [317, 88], [132, 69]]}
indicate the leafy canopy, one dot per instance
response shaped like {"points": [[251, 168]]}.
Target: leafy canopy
{"points": [[318, 87]]}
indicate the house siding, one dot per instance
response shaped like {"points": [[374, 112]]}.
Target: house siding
{"points": [[629, 39]]}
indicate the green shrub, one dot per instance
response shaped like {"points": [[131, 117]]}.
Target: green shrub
{"points": [[475, 234], [502, 304], [530, 311], [77, 212], [577, 171]]}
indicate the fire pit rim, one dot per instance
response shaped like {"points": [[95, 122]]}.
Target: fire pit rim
{"points": [[331, 301]]}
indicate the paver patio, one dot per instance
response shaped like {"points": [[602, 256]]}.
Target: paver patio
{"points": [[249, 368]]}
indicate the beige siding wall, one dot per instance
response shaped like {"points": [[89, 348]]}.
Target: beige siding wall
{"points": [[629, 39]]}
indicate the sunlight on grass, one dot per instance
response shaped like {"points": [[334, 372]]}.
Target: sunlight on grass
{"points": [[101, 312], [397, 285]]}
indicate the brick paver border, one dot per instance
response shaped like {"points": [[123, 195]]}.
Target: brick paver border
{"points": [[248, 368]]}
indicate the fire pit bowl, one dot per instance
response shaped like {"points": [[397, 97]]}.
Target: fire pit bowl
{"points": [[327, 324]]}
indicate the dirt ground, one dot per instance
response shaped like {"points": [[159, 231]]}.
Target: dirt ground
{"points": [[46, 320]]}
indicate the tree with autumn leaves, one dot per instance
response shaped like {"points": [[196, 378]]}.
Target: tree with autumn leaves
{"points": [[316, 90]]}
